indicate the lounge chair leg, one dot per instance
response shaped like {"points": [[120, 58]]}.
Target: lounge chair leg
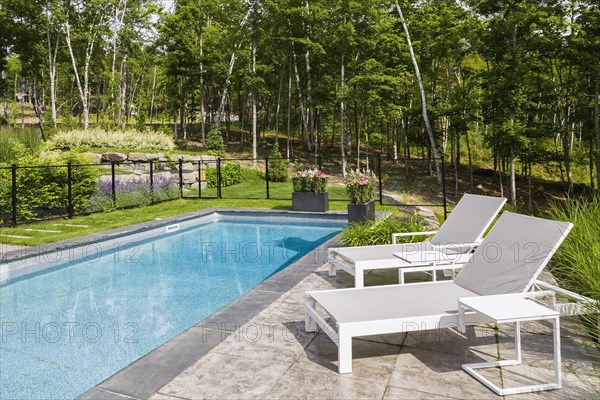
{"points": [[310, 324], [518, 342], [400, 276], [359, 278], [330, 258], [557, 358], [332, 269], [344, 352]]}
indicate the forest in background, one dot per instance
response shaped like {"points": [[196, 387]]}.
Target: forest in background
{"points": [[510, 84]]}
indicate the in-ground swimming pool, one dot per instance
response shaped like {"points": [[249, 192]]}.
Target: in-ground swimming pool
{"points": [[95, 309]]}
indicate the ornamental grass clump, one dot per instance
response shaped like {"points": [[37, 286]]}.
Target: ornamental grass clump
{"points": [[360, 186], [576, 264], [97, 137], [370, 233], [309, 180]]}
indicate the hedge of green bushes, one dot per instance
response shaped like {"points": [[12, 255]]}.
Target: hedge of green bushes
{"points": [[43, 190], [231, 174]]}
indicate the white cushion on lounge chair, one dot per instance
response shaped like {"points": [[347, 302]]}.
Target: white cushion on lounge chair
{"points": [[388, 302]]}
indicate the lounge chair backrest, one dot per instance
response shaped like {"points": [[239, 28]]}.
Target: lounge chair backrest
{"points": [[469, 220], [512, 255]]}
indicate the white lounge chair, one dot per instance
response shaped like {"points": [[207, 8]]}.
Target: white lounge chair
{"points": [[505, 265], [447, 250]]}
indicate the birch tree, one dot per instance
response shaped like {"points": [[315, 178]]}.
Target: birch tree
{"points": [[428, 127]]}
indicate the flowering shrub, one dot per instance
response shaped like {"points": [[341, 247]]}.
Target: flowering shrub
{"points": [[309, 180], [133, 192], [360, 186], [120, 140]]}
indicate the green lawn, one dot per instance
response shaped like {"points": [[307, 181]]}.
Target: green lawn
{"points": [[115, 219], [250, 194], [257, 190]]}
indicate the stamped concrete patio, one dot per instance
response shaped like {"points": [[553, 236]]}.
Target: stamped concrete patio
{"points": [[272, 357]]}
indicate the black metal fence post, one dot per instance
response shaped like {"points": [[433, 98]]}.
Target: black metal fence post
{"points": [[267, 175], [380, 178], [151, 165], [14, 194], [320, 162], [70, 189], [113, 186], [180, 177], [444, 189], [218, 177]]}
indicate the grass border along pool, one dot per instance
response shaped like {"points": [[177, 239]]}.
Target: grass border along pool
{"points": [[45, 232]]}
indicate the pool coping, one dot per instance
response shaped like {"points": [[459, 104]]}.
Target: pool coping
{"points": [[146, 375]]}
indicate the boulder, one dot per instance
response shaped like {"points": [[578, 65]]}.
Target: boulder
{"points": [[189, 167], [195, 185], [152, 156], [187, 157], [210, 161], [118, 157], [189, 178], [135, 157]]}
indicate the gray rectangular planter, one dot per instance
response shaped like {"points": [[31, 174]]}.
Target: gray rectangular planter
{"points": [[310, 201], [361, 212]]}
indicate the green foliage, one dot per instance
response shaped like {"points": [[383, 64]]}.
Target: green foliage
{"points": [[17, 142], [278, 171], [360, 186], [214, 141], [368, 234], [576, 263], [231, 174], [133, 140], [43, 190]]}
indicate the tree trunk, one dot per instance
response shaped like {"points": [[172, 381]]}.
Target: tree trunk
{"points": [[253, 94], [342, 114], [300, 101], [52, 69], [512, 181], [423, 99], [597, 130], [82, 89], [566, 142], [289, 114], [278, 105], [123, 92], [202, 111], [470, 158], [153, 93]]}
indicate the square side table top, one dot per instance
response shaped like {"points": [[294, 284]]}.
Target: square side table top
{"points": [[508, 307]]}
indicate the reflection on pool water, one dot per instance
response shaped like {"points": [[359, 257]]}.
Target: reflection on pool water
{"points": [[100, 307]]}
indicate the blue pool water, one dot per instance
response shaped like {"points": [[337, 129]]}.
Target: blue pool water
{"points": [[69, 327]]}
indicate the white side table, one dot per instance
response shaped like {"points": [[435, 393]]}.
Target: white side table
{"points": [[511, 308]]}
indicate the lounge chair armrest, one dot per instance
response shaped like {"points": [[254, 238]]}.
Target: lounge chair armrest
{"points": [[468, 245], [404, 234]]}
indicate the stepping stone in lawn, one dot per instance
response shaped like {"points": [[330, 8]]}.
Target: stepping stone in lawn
{"points": [[15, 236], [72, 225]]}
